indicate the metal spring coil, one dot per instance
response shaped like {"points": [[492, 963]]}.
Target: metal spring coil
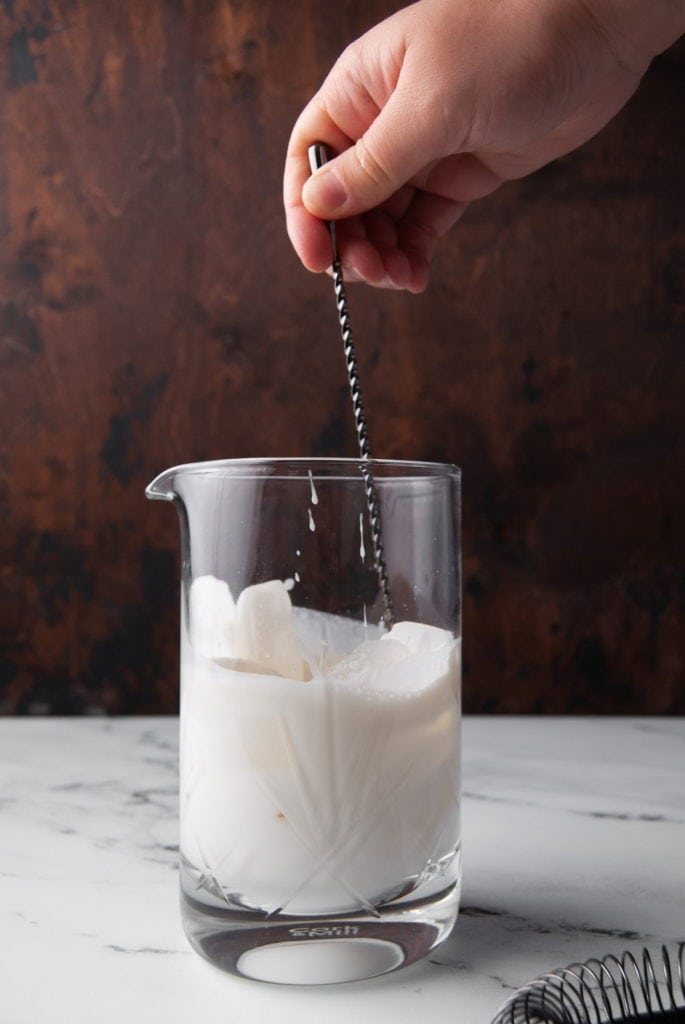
{"points": [[613, 989]]}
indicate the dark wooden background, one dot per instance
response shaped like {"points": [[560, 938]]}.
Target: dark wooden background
{"points": [[152, 312]]}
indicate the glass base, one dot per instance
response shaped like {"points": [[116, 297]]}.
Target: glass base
{"points": [[319, 951]]}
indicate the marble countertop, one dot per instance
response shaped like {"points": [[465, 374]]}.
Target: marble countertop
{"points": [[574, 836]]}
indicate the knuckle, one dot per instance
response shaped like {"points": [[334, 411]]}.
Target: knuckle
{"points": [[371, 164]]}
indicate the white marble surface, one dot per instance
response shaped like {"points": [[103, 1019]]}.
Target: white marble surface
{"points": [[574, 833]]}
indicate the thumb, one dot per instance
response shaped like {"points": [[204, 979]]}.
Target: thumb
{"points": [[391, 151]]}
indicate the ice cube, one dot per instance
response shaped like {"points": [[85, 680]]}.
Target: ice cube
{"points": [[416, 637], [212, 610], [326, 638], [367, 665], [263, 631], [405, 660], [430, 650], [253, 634]]}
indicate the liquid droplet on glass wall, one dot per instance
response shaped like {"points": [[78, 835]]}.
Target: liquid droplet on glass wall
{"points": [[315, 496]]}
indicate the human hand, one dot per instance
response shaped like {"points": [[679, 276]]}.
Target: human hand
{"points": [[443, 102]]}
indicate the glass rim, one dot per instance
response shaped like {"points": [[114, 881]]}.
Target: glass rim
{"points": [[396, 469]]}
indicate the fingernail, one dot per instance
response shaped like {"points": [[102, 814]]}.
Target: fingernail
{"points": [[391, 285], [324, 191]]}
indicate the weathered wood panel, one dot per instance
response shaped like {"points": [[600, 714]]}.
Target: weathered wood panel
{"points": [[151, 312]]}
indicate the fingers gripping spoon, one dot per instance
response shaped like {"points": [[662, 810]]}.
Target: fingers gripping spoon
{"points": [[318, 156]]}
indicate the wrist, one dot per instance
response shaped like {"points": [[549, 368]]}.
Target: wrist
{"points": [[637, 30]]}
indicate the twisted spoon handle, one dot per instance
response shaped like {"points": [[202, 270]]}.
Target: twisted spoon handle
{"points": [[318, 156]]}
